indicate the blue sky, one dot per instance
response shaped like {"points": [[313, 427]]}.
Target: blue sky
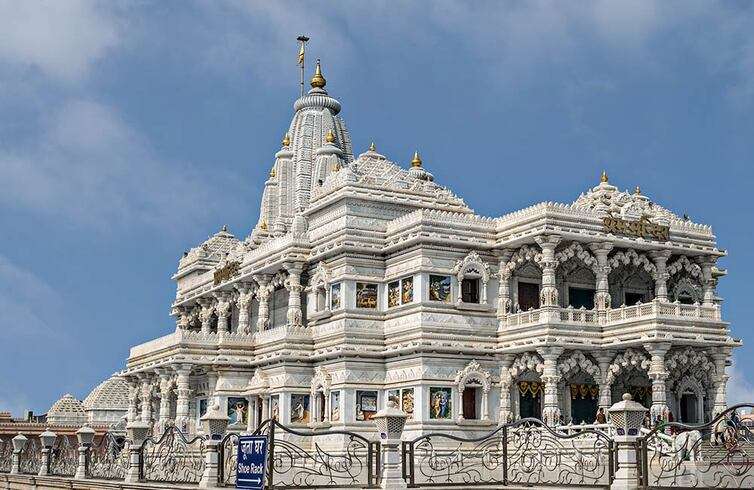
{"points": [[129, 132]]}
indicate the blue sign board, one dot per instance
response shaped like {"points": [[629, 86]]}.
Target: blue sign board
{"points": [[252, 462]]}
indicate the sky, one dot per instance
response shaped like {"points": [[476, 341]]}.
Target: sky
{"points": [[131, 131]]}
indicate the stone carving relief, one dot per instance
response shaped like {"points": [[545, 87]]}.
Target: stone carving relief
{"points": [[473, 372], [626, 361]]}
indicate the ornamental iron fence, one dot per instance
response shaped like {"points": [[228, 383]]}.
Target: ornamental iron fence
{"points": [[523, 453], [718, 454], [108, 458], [64, 457], [6, 454], [309, 459], [172, 458], [30, 459]]}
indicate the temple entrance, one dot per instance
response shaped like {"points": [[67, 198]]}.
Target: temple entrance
{"points": [[530, 399], [584, 403], [688, 406], [469, 403]]}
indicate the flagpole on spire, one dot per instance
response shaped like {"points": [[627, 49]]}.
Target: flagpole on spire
{"points": [[301, 54]]}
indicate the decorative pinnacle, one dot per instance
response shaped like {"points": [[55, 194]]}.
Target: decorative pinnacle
{"points": [[286, 140], [416, 161], [330, 136], [318, 81], [603, 177], [637, 191], [372, 147], [272, 172], [225, 228]]}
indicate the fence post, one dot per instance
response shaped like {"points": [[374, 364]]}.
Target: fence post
{"points": [[271, 455], [19, 444], [214, 423], [85, 436], [390, 422], [47, 439], [137, 434], [626, 417], [505, 455]]}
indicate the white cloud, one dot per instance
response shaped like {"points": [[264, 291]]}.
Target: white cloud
{"points": [[740, 389], [62, 39], [27, 302], [89, 166]]}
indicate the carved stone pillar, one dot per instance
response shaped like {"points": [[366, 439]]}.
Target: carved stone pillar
{"points": [[606, 394], [205, 314], [550, 378], [263, 295], [660, 258], [658, 373], [147, 390], [503, 289], [505, 414], [293, 285], [182, 393], [709, 283], [166, 384], [244, 296], [485, 404], [222, 307], [133, 398], [602, 300], [182, 316], [721, 356], [265, 407], [548, 296], [212, 376]]}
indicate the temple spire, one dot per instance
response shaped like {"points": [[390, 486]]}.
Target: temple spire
{"points": [[318, 81], [416, 161], [603, 177]]}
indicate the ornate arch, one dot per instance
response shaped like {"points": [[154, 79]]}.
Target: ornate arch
{"points": [[690, 383], [630, 257], [576, 251], [527, 361], [690, 362], [525, 254], [472, 265], [685, 285], [576, 362], [630, 359], [321, 277], [321, 379], [473, 371], [684, 264]]}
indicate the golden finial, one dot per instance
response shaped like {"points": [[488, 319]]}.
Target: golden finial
{"points": [[372, 147], [416, 161], [272, 172], [335, 167], [263, 225], [603, 177], [286, 140], [318, 81], [637, 191], [330, 136]]}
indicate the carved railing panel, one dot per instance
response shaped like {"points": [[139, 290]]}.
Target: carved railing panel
{"points": [[6, 454], [523, 453], [30, 459], [228, 457], [64, 457], [172, 458], [108, 458], [719, 454]]}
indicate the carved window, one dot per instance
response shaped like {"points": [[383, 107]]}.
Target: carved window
{"points": [[404, 399], [439, 288], [470, 290], [335, 300], [528, 296], [366, 295]]}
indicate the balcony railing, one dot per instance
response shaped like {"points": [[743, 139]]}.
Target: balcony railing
{"points": [[583, 316]]}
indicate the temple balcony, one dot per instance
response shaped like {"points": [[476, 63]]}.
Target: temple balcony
{"points": [[636, 323]]}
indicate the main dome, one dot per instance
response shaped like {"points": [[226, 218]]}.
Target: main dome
{"points": [[108, 402]]}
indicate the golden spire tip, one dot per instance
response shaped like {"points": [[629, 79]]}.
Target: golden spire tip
{"points": [[637, 191], [318, 81], [372, 147], [416, 161], [330, 136], [286, 140], [603, 177]]}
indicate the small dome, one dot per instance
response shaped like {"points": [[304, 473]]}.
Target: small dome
{"points": [[67, 410], [111, 394]]}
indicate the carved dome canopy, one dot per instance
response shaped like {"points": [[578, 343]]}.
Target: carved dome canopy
{"points": [[606, 198], [213, 249], [111, 394], [67, 410]]}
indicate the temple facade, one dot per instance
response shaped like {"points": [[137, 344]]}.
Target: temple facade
{"points": [[363, 280]]}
